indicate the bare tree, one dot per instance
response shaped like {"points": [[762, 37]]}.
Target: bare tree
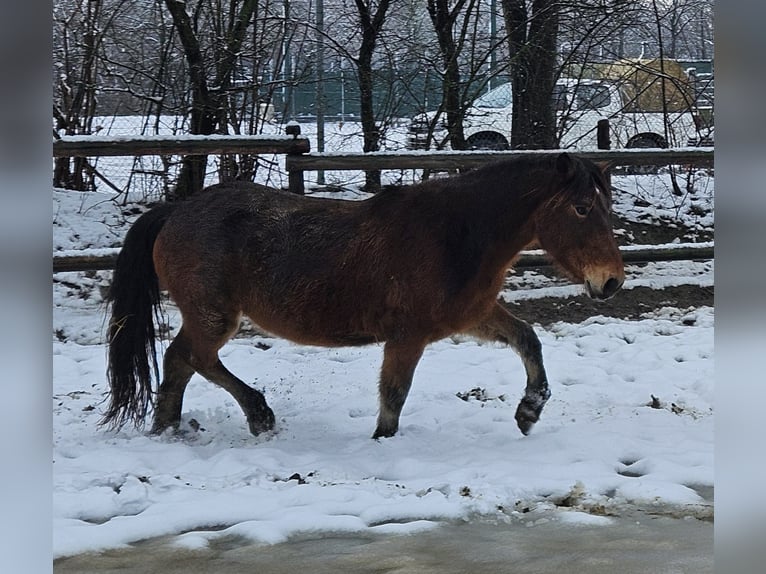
{"points": [[468, 51], [444, 20], [532, 29], [686, 26], [372, 16], [210, 77], [79, 30]]}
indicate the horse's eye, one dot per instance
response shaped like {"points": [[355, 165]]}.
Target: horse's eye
{"points": [[581, 210]]}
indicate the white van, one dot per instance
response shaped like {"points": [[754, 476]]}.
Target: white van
{"points": [[579, 105]]}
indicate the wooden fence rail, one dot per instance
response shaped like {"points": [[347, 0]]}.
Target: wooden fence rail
{"points": [[453, 160], [104, 259], [298, 159], [92, 146], [466, 159]]}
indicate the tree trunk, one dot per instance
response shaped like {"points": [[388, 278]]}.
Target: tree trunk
{"points": [[532, 41], [372, 25], [208, 111], [443, 20]]}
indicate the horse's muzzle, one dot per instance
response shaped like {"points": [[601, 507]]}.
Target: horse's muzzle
{"points": [[604, 291]]}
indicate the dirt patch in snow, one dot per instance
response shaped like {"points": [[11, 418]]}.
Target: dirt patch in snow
{"points": [[626, 304], [632, 233]]}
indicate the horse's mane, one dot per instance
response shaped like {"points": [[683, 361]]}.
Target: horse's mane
{"points": [[524, 177]]}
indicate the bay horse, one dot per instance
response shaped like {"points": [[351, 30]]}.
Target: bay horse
{"points": [[405, 268]]}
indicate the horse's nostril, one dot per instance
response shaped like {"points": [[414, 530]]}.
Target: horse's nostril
{"points": [[611, 287]]}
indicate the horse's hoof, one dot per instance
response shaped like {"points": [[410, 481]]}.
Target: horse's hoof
{"points": [[263, 423], [530, 407], [525, 426], [159, 428], [383, 433], [526, 416]]}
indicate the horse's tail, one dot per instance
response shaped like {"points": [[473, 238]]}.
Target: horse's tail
{"points": [[134, 296]]}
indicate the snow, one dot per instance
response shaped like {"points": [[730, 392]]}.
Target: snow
{"points": [[603, 445]]}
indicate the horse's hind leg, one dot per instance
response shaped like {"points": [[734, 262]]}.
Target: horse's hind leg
{"points": [[208, 330], [177, 371], [399, 362], [503, 327], [260, 417]]}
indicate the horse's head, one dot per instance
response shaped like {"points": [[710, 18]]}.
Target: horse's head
{"points": [[573, 225]]}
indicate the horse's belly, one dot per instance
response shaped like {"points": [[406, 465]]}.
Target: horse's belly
{"points": [[307, 334], [315, 326], [332, 314]]}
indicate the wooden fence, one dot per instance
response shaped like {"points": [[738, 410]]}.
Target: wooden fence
{"points": [[101, 259], [453, 160], [91, 146], [298, 160]]}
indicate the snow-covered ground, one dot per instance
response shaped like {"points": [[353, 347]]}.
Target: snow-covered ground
{"points": [[629, 424]]}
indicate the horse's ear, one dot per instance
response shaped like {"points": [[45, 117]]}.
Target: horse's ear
{"points": [[565, 164]]}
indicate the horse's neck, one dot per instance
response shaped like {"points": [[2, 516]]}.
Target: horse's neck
{"points": [[502, 212]]}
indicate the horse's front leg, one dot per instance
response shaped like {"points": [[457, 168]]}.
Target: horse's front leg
{"points": [[399, 362], [503, 327]]}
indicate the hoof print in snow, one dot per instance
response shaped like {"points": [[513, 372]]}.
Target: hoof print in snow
{"points": [[195, 426], [479, 394]]}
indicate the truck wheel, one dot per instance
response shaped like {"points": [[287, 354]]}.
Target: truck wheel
{"points": [[645, 141], [487, 140]]}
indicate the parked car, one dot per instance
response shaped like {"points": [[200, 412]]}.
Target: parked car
{"points": [[579, 105]]}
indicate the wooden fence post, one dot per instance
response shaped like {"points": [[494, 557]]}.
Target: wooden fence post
{"points": [[602, 134], [603, 142], [295, 178]]}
